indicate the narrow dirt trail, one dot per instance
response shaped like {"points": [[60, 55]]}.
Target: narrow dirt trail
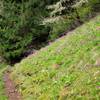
{"points": [[10, 89]]}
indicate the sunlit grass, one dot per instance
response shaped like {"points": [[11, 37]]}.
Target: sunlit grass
{"points": [[68, 69]]}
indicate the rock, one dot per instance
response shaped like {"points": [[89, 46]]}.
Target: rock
{"points": [[97, 62]]}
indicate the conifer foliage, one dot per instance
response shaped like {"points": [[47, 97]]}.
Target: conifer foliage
{"points": [[23, 21]]}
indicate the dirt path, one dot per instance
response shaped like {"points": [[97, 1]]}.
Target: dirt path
{"points": [[10, 89]]}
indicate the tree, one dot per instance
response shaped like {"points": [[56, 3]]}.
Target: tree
{"points": [[20, 25]]}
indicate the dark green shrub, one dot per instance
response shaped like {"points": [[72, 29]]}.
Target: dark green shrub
{"points": [[21, 22], [95, 5], [19, 26]]}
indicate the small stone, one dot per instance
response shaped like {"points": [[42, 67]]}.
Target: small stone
{"points": [[97, 62], [98, 28]]}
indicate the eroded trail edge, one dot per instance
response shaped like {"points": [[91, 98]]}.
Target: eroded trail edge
{"points": [[10, 89]]}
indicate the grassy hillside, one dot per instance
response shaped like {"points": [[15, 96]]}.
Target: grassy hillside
{"points": [[68, 69], [2, 92]]}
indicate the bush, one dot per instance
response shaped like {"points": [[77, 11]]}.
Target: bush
{"points": [[20, 25], [73, 13], [95, 5], [21, 22]]}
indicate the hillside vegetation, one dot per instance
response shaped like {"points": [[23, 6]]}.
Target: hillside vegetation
{"points": [[67, 69], [2, 90], [26, 25]]}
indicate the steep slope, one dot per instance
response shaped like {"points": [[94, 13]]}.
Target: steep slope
{"points": [[67, 69]]}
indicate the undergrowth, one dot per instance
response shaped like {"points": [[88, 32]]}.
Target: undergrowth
{"points": [[2, 91]]}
